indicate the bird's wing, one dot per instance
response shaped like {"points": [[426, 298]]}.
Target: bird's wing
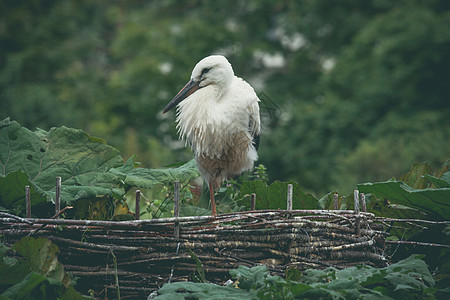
{"points": [[254, 122]]}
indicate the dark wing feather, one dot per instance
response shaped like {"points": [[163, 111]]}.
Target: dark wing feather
{"points": [[255, 141], [255, 135]]}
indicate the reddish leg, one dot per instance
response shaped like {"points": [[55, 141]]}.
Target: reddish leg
{"points": [[213, 201]]}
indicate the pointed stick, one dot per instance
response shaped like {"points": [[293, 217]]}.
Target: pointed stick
{"points": [[363, 202], [357, 216], [137, 210], [58, 195], [289, 196], [28, 201], [335, 201], [253, 201], [176, 208]]}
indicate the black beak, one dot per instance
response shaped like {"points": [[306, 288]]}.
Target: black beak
{"points": [[185, 92]]}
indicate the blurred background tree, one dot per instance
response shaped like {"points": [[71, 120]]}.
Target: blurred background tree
{"points": [[351, 91]]}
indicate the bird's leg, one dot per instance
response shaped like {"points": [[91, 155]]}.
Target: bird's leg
{"points": [[213, 201]]}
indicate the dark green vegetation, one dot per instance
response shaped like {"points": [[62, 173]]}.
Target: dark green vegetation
{"points": [[35, 273], [94, 176], [95, 180], [407, 279], [352, 91]]}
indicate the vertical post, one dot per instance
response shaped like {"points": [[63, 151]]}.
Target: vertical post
{"points": [[363, 202], [253, 201], [137, 210], [58, 195], [357, 216], [335, 201], [176, 228], [289, 196], [176, 208], [28, 201]]}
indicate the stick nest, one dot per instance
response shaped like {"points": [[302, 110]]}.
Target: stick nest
{"points": [[145, 254]]}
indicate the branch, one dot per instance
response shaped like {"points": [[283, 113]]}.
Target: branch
{"points": [[418, 244]]}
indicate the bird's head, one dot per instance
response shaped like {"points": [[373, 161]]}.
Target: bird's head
{"points": [[214, 70]]}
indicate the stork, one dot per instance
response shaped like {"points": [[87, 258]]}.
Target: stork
{"points": [[218, 115]]}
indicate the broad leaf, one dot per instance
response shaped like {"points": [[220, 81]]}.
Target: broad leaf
{"points": [[93, 174], [443, 182], [250, 278], [435, 202], [147, 178], [33, 283], [41, 255], [12, 193], [80, 160], [34, 274]]}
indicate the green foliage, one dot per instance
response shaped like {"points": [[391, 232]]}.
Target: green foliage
{"points": [[406, 279], [79, 159], [147, 178], [434, 202], [350, 93], [177, 291], [199, 275], [382, 104], [418, 195], [274, 196], [36, 273], [92, 173]]}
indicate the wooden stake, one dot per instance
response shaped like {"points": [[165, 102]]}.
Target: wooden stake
{"points": [[137, 210], [28, 201], [58, 195], [363, 202], [253, 201], [289, 196], [176, 208], [357, 216], [335, 201]]}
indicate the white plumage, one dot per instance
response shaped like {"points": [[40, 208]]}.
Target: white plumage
{"points": [[218, 115]]}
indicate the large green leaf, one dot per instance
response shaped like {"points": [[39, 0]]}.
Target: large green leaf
{"points": [[89, 169], [36, 273], [33, 284], [147, 178], [435, 202], [80, 160], [443, 182], [41, 256], [12, 192]]}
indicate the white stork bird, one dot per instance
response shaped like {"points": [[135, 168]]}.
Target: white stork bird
{"points": [[218, 114]]}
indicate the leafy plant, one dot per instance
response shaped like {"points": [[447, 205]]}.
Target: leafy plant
{"points": [[419, 190], [419, 194], [274, 196], [93, 173], [34, 272], [199, 275], [409, 278]]}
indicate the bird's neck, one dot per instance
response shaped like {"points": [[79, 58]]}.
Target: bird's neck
{"points": [[217, 91]]}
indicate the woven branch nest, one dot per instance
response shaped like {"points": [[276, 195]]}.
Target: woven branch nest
{"points": [[147, 251]]}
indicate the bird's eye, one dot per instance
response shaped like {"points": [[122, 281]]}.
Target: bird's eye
{"points": [[205, 70]]}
